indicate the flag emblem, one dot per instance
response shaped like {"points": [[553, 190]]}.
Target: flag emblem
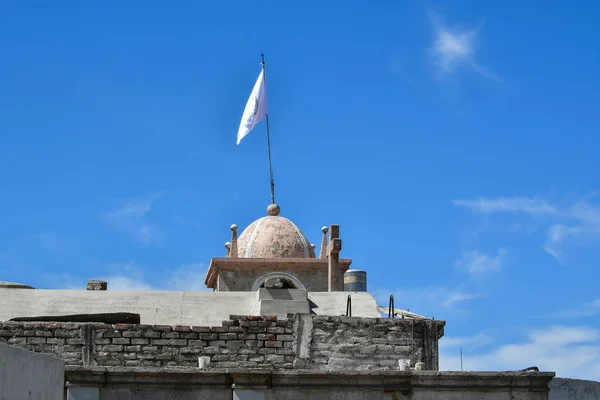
{"points": [[256, 107]]}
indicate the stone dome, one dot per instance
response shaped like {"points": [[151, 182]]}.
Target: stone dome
{"points": [[274, 237]]}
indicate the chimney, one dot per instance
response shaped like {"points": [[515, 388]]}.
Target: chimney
{"points": [[333, 252], [94, 284]]}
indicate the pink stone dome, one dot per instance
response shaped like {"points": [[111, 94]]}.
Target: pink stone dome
{"points": [[274, 237]]}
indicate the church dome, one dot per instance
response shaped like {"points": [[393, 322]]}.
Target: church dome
{"points": [[274, 237]]}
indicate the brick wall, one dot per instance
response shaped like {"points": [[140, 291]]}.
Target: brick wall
{"points": [[244, 341], [63, 339], [241, 342]]}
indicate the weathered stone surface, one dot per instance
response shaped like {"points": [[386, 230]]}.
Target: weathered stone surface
{"points": [[324, 343], [275, 283], [358, 343]]}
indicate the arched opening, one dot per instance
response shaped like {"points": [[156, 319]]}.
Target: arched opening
{"points": [[280, 282]]}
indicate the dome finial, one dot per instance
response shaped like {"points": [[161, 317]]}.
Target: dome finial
{"points": [[233, 248], [324, 242], [273, 209]]}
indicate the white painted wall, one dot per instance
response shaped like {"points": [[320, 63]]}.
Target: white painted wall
{"points": [[166, 308]]}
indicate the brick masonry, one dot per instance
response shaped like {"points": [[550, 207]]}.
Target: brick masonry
{"points": [[241, 342]]}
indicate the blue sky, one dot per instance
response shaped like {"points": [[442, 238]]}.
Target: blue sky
{"points": [[456, 144]]}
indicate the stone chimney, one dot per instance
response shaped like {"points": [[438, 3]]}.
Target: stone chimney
{"points": [[333, 255], [94, 284]]}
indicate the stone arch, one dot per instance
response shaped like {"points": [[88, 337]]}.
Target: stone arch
{"points": [[294, 281]]}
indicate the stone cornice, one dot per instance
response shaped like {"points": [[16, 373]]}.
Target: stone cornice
{"points": [[474, 381], [274, 264], [266, 379]]}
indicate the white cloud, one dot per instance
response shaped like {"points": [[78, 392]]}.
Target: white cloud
{"points": [[454, 48], [477, 263], [188, 278], [556, 235], [529, 205], [565, 224], [475, 341], [454, 298], [119, 282], [557, 336], [588, 309], [427, 301], [123, 276], [586, 213], [130, 217], [582, 222], [570, 351]]}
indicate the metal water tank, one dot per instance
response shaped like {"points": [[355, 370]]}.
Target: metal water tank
{"points": [[355, 280]]}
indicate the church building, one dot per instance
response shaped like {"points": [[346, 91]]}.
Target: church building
{"points": [[281, 322]]}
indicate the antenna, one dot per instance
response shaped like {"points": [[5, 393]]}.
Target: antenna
{"points": [[461, 364]]}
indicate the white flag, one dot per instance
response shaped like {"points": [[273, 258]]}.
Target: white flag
{"points": [[256, 108]]}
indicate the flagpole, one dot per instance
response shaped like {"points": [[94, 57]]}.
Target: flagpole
{"points": [[268, 136]]}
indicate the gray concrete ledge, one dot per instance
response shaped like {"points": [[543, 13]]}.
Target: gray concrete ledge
{"points": [[225, 378], [449, 380]]}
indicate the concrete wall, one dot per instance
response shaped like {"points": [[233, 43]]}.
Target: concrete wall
{"points": [[154, 307], [165, 308], [28, 375], [242, 279], [240, 384], [231, 274], [308, 394], [574, 389], [161, 393]]}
